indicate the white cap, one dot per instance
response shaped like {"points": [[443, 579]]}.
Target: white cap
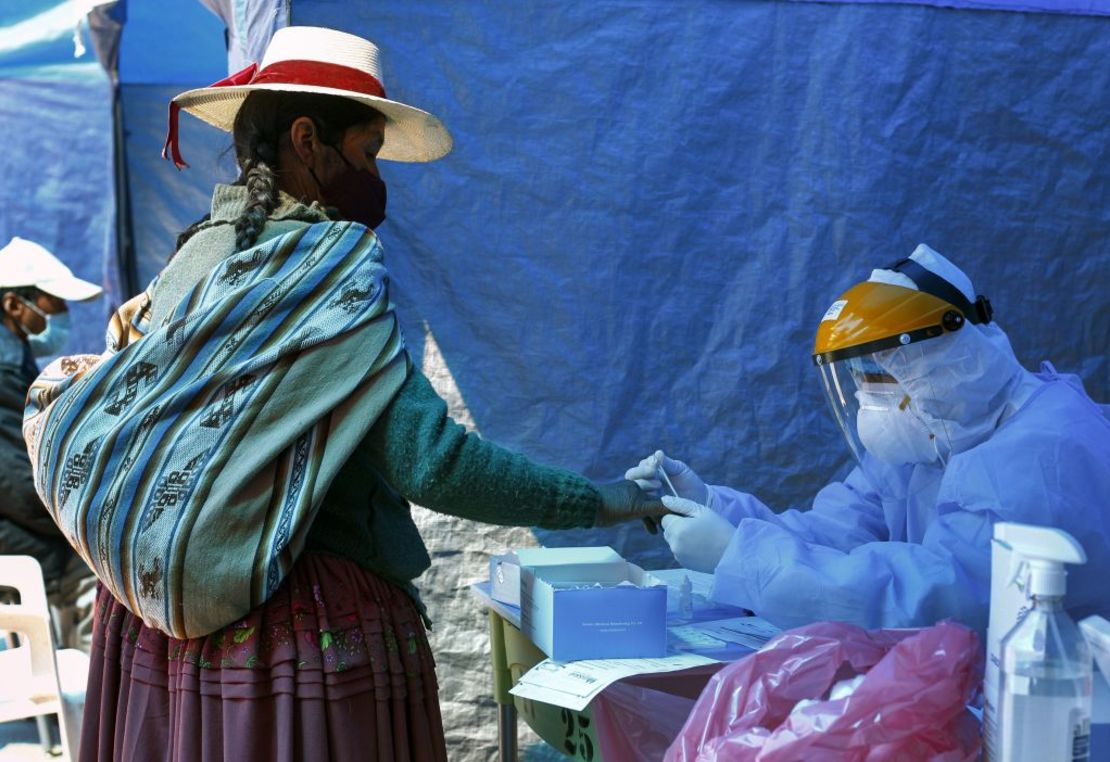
{"points": [[24, 263], [1047, 578]]}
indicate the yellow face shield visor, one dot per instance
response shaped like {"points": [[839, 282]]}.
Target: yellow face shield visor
{"points": [[868, 404], [870, 317]]}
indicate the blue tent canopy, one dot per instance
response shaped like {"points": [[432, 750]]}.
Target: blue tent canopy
{"points": [[647, 210], [56, 110]]}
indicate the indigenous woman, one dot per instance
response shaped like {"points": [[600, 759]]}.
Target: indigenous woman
{"points": [[270, 408]]}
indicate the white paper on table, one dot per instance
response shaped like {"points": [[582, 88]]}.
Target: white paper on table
{"points": [[574, 684], [750, 631], [691, 637]]}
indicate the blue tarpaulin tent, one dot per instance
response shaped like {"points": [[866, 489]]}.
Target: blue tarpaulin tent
{"points": [[649, 206], [57, 162]]}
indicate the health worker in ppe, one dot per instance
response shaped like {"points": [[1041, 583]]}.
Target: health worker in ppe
{"points": [[951, 435]]}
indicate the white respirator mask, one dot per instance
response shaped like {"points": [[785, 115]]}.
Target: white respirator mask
{"points": [[889, 429]]}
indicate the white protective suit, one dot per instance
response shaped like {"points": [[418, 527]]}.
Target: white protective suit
{"points": [[909, 545]]}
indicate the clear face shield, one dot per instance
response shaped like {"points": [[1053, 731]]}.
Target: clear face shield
{"points": [[875, 413]]}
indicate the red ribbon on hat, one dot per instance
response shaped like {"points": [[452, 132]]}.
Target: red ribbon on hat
{"points": [[297, 72]]}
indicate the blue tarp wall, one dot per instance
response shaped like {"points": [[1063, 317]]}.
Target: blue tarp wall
{"points": [[650, 204], [59, 164], [56, 182], [167, 47]]}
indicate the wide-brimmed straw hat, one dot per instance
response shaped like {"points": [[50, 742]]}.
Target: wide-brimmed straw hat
{"points": [[306, 59]]}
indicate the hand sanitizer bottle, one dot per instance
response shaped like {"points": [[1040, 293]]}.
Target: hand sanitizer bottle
{"points": [[1045, 693]]}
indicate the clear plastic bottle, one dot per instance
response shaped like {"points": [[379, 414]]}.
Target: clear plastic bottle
{"points": [[686, 598], [1045, 708]]}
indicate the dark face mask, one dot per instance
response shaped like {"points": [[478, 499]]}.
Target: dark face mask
{"points": [[358, 194]]}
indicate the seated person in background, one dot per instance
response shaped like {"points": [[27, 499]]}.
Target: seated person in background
{"points": [[34, 285], [951, 435]]}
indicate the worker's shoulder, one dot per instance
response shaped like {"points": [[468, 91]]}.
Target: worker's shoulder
{"points": [[1060, 410], [1058, 431]]}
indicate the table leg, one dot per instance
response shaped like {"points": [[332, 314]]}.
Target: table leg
{"points": [[46, 740], [506, 732]]}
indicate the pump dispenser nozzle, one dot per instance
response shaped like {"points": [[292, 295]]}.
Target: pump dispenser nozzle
{"points": [[1045, 551]]}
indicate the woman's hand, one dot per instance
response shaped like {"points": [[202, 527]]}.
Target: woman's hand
{"points": [[624, 501]]}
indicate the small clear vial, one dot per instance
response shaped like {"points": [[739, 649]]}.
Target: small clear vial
{"points": [[686, 598]]}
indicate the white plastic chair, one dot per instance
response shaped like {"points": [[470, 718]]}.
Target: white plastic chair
{"points": [[37, 680]]}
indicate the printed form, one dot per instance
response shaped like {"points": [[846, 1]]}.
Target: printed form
{"points": [[574, 684]]}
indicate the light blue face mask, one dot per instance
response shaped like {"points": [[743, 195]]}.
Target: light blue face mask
{"points": [[51, 340]]}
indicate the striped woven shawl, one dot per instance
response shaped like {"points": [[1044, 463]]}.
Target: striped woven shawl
{"points": [[186, 463]]}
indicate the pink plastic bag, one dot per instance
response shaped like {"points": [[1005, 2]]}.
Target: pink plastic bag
{"points": [[636, 724], [912, 704]]}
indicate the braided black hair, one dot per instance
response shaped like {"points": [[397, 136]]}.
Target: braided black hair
{"points": [[261, 180]]}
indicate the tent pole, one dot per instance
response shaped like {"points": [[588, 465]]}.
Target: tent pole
{"points": [[125, 251]]}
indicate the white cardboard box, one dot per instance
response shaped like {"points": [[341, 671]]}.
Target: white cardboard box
{"points": [[504, 570], [592, 604]]}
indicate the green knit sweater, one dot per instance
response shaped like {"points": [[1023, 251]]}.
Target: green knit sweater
{"points": [[414, 451]]}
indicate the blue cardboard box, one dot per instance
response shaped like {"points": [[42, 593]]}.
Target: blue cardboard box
{"points": [[587, 608], [504, 570]]}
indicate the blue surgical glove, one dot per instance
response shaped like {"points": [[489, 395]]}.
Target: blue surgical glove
{"points": [[697, 535], [686, 483]]}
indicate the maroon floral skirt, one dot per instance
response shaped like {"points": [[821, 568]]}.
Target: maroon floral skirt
{"points": [[335, 666]]}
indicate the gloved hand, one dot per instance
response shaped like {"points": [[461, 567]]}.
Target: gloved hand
{"points": [[686, 483], [697, 535], [623, 500]]}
